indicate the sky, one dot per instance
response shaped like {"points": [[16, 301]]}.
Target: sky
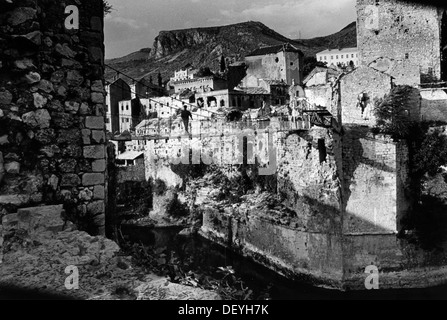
{"points": [[134, 24]]}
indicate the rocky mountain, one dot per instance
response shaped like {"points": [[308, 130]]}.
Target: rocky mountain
{"points": [[203, 47]]}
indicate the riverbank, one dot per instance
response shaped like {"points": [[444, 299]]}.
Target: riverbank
{"points": [[39, 245]]}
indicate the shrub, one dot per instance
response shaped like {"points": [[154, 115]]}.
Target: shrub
{"points": [[392, 112], [430, 154], [159, 187], [175, 208]]}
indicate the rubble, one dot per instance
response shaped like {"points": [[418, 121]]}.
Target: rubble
{"points": [[39, 245]]}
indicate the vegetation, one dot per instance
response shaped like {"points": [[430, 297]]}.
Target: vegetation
{"points": [[223, 65], [310, 63], [429, 150], [135, 197], [175, 208], [392, 113], [204, 72], [428, 154], [428, 145], [107, 7], [159, 187], [189, 267]]}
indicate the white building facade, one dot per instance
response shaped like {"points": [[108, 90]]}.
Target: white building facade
{"points": [[181, 75], [125, 115], [345, 56]]}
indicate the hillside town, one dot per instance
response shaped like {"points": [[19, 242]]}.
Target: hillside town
{"points": [[270, 173], [268, 82]]}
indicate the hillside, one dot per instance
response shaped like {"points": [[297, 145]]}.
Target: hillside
{"points": [[202, 47], [345, 38]]}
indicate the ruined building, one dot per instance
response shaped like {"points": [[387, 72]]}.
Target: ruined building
{"points": [[404, 39], [282, 62], [345, 193]]}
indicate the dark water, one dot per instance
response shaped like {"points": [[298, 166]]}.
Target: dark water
{"points": [[205, 255]]}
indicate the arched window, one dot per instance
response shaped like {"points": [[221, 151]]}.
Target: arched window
{"points": [[222, 103]]}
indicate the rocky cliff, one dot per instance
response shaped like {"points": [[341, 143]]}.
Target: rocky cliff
{"points": [[236, 38], [203, 47]]}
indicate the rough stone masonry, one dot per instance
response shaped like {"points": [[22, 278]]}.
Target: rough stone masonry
{"points": [[52, 131]]}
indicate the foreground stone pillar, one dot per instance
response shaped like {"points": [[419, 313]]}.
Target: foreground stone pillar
{"points": [[52, 130]]}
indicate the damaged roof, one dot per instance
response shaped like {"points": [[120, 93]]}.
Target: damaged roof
{"points": [[329, 72], [130, 155], [286, 47], [252, 90], [335, 51]]}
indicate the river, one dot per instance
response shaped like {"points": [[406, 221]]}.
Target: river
{"points": [[201, 255]]}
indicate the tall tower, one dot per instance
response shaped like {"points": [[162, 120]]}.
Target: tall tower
{"points": [[402, 38]]}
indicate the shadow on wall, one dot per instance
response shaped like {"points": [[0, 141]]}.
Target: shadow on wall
{"points": [[368, 182]]}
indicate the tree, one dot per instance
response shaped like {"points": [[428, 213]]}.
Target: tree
{"points": [[204, 72], [431, 153], [392, 112], [107, 7], [160, 80], [223, 66], [310, 63]]}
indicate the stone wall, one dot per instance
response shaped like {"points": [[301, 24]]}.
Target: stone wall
{"points": [[344, 199], [308, 178], [392, 31], [219, 149], [319, 95], [307, 174], [52, 129], [369, 82], [281, 66], [296, 254], [376, 182]]}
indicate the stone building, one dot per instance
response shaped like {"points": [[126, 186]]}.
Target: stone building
{"points": [[130, 158], [318, 86], [359, 91], [184, 74], [165, 107], [130, 113], [202, 84], [405, 39], [282, 62], [145, 89], [117, 91]]}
